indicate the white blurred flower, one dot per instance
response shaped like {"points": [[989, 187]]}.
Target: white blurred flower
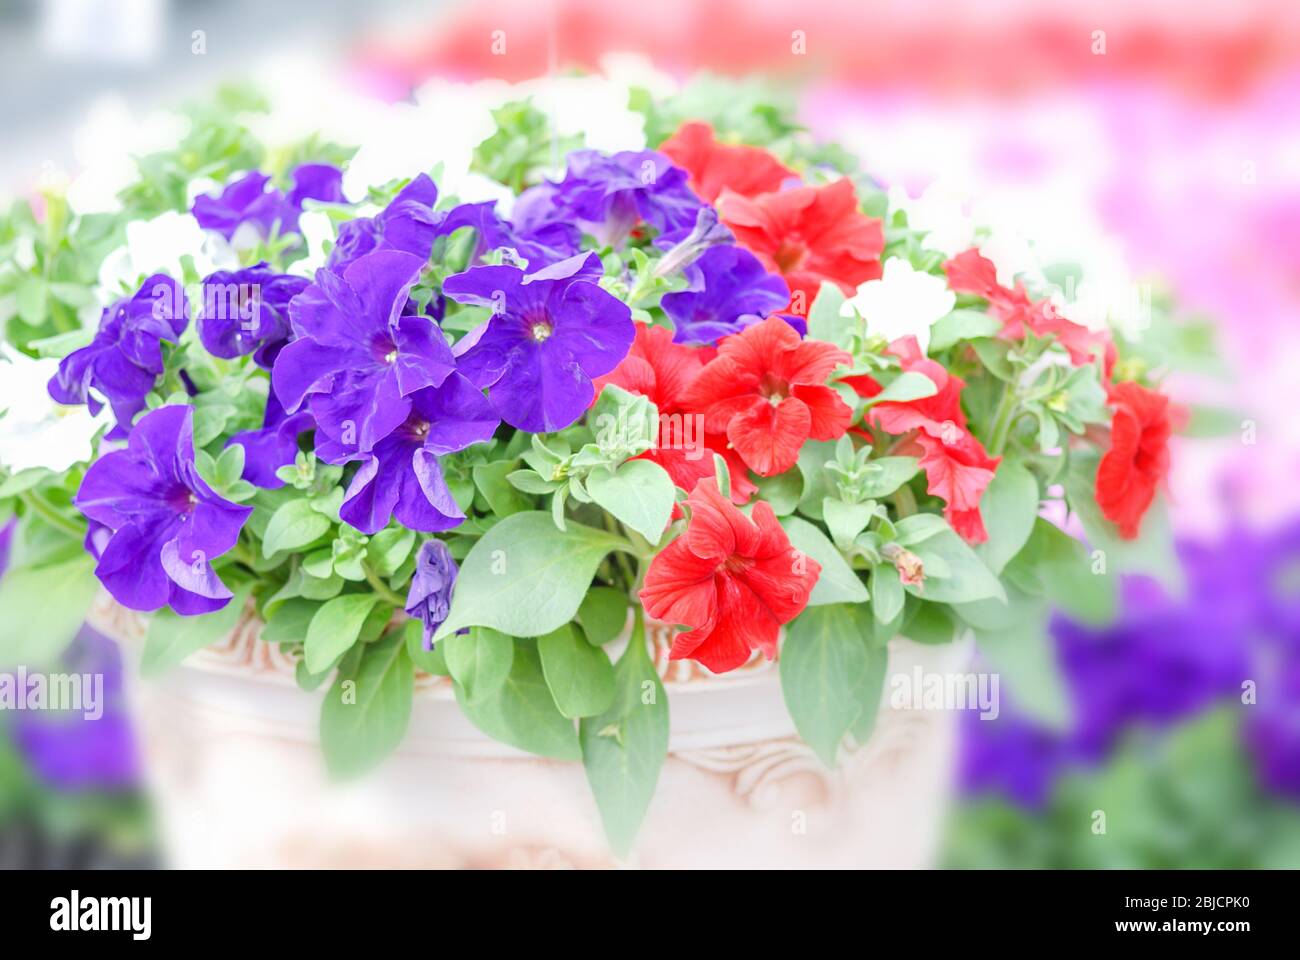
{"points": [[940, 213], [105, 147], [34, 430], [904, 302], [316, 228], [157, 245]]}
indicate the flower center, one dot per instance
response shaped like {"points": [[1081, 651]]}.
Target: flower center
{"points": [[791, 255], [774, 388], [736, 564], [540, 330]]}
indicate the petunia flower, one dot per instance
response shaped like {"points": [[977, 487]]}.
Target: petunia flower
{"points": [[660, 370], [732, 579], [972, 273], [736, 292], [1136, 464], [957, 467], [608, 195], [34, 430], [247, 311], [124, 360], [714, 167], [357, 358], [766, 389], [537, 247], [552, 331], [408, 224], [165, 524], [905, 302], [401, 476], [808, 235], [429, 597], [246, 211]]}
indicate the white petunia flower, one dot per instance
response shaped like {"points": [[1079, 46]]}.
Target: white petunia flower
{"points": [[940, 213], [904, 302], [157, 245], [34, 430]]}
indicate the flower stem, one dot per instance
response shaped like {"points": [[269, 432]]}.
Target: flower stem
{"points": [[50, 514], [1002, 420], [381, 588]]}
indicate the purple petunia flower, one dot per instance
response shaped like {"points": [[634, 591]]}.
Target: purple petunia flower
{"points": [[551, 333], [6, 543], [408, 224], [546, 244], [247, 311], [429, 598], [736, 293], [166, 523], [246, 207], [273, 445], [401, 477], [77, 752], [357, 358], [125, 359], [609, 195]]}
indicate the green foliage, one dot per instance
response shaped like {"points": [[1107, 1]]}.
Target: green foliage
{"points": [[366, 712]]}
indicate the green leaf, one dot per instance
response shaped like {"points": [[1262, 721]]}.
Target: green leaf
{"points": [[837, 583], [603, 614], [334, 628], [884, 475], [41, 609], [579, 675], [846, 520], [887, 596], [953, 572], [1059, 567], [823, 664], [930, 624], [479, 660], [963, 324], [502, 497], [1009, 506], [172, 638], [290, 621], [526, 578], [367, 710], [638, 493], [623, 749], [919, 527], [388, 550], [868, 694], [908, 385], [824, 320], [430, 661], [782, 492], [293, 525], [1022, 654], [522, 713]]}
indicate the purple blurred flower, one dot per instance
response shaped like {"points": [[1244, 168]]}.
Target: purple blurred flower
{"points": [[125, 359], [429, 598], [608, 195], [6, 542], [167, 524], [357, 359], [247, 203], [273, 445], [551, 333], [247, 311], [75, 752], [736, 292], [401, 476]]}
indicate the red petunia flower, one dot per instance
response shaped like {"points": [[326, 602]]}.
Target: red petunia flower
{"points": [[971, 272], [661, 370], [733, 580], [1137, 462], [715, 166], [808, 235], [767, 390], [957, 467]]}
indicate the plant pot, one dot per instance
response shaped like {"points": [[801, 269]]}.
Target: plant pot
{"points": [[234, 767]]}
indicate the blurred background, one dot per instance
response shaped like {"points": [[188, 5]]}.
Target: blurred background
{"points": [[1154, 144]]}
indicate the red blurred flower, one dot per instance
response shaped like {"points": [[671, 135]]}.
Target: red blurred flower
{"points": [[957, 467], [661, 371], [715, 166], [1137, 462], [971, 272], [767, 390], [733, 580], [807, 235]]}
